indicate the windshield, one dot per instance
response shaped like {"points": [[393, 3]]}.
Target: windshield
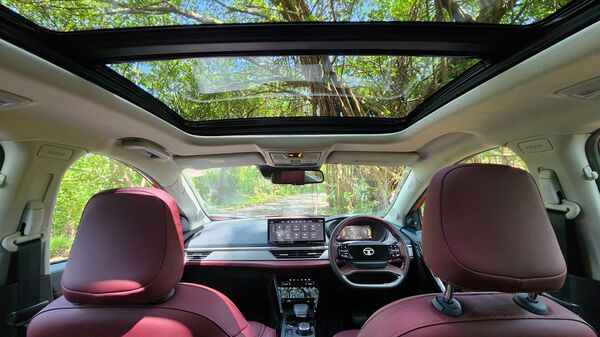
{"points": [[242, 192]]}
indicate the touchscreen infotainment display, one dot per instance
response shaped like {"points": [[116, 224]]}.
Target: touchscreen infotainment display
{"points": [[296, 230]]}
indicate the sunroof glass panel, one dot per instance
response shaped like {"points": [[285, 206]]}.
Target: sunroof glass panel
{"points": [[205, 89], [72, 15]]}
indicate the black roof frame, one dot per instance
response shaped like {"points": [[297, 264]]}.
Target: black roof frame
{"points": [[86, 53]]}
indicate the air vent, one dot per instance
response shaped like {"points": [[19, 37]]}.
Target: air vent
{"points": [[297, 253], [587, 90], [196, 256]]}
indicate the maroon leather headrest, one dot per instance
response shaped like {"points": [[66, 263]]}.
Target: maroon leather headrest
{"points": [[485, 228], [128, 249]]}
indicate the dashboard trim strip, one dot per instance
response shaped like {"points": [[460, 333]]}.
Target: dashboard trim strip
{"points": [[215, 249], [291, 247], [269, 264]]}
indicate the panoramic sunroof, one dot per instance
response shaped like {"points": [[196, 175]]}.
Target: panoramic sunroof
{"points": [[205, 89], [205, 60], [74, 15]]}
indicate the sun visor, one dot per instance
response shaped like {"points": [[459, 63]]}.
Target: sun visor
{"points": [[372, 158], [221, 160]]}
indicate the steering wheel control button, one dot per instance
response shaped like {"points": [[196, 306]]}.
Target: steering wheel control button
{"points": [[394, 251], [344, 252]]}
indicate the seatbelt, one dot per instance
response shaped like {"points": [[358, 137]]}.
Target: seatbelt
{"points": [[28, 285], [560, 211], [28, 273], [559, 224], [26, 246]]}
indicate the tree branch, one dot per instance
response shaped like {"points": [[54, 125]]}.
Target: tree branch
{"points": [[154, 9], [456, 12], [243, 11]]}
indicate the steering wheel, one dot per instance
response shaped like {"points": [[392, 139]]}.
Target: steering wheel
{"points": [[364, 256]]}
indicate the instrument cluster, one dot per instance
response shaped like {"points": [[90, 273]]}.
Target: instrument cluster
{"points": [[356, 232]]}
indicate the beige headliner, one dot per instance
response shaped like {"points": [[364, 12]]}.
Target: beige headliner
{"points": [[517, 104]]}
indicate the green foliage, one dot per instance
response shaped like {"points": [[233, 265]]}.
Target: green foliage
{"points": [[348, 86], [243, 191], [89, 175], [250, 87], [227, 190], [68, 15], [500, 156], [356, 189]]}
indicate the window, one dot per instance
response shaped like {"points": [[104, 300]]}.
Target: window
{"points": [[499, 155], [218, 88], [89, 175]]}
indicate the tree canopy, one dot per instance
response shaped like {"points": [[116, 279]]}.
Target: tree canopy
{"points": [[65, 15], [298, 86]]}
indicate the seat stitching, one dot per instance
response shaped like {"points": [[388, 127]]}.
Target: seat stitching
{"points": [[264, 328], [411, 299], [479, 319], [87, 306], [236, 335]]}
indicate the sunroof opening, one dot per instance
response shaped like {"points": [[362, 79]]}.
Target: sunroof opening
{"points": [[217, 88], [74, 15]]}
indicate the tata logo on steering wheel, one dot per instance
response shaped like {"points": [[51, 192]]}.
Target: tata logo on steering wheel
{"points": [[368, 251]]}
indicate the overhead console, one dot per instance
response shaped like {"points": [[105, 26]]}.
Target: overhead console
{"points": [[313, 158], [295, 159], [316, 158]]}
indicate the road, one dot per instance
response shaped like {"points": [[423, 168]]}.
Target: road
{"points": [[289, 205]]}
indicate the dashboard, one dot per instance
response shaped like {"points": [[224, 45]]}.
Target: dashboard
{"points": [[283, 240]]}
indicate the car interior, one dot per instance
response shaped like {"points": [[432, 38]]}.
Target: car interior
{"points": [[285, 168]]}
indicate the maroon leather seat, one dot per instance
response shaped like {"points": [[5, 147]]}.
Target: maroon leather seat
{"points": [[485, 228], [123, 273]]}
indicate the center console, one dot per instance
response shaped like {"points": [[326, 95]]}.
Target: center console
{"points": [[298, 296], [298, 300]]}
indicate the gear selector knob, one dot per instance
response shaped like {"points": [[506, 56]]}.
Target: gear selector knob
{"points": [[304, 329]]}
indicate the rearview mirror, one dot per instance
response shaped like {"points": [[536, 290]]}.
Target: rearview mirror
{"points": [[297, 177]]}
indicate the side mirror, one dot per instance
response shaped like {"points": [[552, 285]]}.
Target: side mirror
{"points": [[297, 177]]}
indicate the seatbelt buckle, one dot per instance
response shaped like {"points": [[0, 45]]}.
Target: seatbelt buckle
{"points": [[19, 318]]}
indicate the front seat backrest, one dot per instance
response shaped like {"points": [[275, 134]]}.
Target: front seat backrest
{"points": [[122, 277], [484, 228]]}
